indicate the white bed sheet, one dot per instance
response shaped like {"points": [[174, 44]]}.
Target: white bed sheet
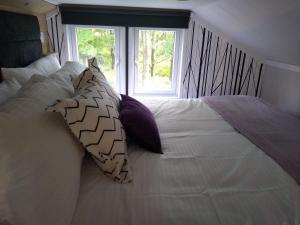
{"points": [[209, 174]]}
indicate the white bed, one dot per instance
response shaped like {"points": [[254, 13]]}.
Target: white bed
{"points": [[209, 174]]}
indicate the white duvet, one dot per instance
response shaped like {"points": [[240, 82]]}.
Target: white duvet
{"points": [[209, 174]]}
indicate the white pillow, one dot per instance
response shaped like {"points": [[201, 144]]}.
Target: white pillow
{"points": [[94, 120], [63, 76], [40, 165], [43, 66], [46, 65], [38, 93], [8, 88], [22, 75], [71, 68]]}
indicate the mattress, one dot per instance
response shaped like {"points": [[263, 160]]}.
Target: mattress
{"points": [[209, 174]]}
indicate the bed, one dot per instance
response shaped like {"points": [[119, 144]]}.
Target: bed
{"points": [[210, 172]]}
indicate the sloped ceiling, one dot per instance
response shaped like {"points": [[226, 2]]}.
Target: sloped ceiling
{"points": [[271, 28], [268, 28]]}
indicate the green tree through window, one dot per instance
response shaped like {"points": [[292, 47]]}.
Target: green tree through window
{"points": [[99, 43], [156, 49]]}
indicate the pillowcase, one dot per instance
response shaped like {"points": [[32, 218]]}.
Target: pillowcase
{"points": [[22, 75], [46, 65], [70, 68], [102, 81], [8, 88], [93, 119], [63, 76], [140, 124], [38, 93], [40, 165], [93, 66], [43, 66]]}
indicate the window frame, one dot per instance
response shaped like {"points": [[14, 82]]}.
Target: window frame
{"points": [[120, 58], [119, 50], [133, 63]]}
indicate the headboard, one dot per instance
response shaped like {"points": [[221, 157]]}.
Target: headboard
{"points": [[20, 42]]}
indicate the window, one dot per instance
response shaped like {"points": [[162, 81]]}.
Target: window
{"points": [[154, 56], [100, 42], [155, 61]]}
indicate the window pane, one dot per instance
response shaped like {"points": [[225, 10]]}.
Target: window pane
{"points": [[99, 43], [155, 59]]}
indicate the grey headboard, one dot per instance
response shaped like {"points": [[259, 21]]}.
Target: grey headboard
{"points": [[20, 42]]}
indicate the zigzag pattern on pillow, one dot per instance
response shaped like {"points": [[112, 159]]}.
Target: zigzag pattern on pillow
{"points": [[93, 66], [94, 120], [88, 76]]}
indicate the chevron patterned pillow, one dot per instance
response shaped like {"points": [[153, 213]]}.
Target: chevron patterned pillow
{"points": [[93, 66], [94, 120], [94, 73]]}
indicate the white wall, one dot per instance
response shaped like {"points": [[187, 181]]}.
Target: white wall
{"points": [[270, 28], [281, 87]]}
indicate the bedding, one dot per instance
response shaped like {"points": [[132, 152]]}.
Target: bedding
{"points": [[40, 91], [43, 66], [277, 134], [39, 169], [94, 120], [40, 160], [35, 95], [69, 68], [64, 74], [102, 81], [139, 124], [8, 89], [208, 174]]}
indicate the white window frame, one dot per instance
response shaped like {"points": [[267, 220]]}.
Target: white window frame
{"points": [[133, 63], [120, 58], [119, 50]]}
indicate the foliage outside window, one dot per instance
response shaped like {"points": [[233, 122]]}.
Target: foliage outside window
{"points": [[99, 43], [153, 56], [155, 65]]}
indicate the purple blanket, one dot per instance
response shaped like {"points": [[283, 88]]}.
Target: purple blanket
{"points": [[274, 132]]}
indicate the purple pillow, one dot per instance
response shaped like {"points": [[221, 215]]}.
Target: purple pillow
{"points": [[139, 124]]}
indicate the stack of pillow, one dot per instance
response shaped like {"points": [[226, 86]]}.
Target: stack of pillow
{"points": [[14, 78], [40, 161], [40, 158], [8, 88]]}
